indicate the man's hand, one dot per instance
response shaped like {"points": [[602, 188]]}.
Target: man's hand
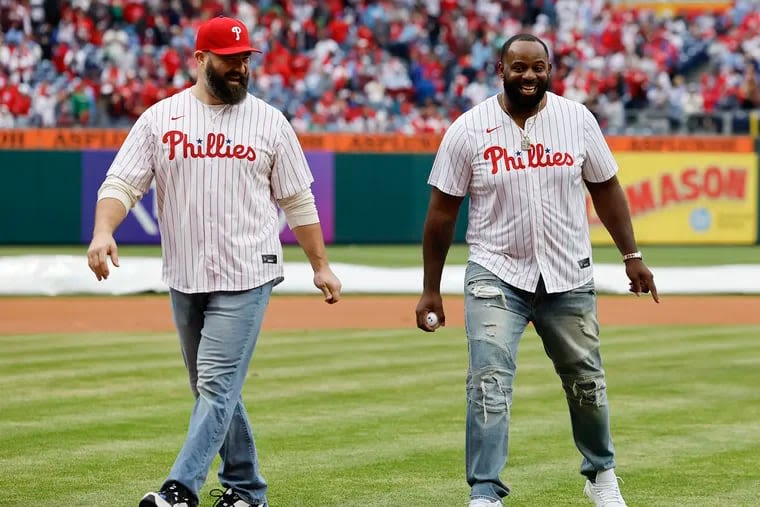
{"points": [[101, 247], [642, 280], [326, 281], [430, 302]]}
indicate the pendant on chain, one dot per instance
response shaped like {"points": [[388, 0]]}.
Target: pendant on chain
{"points": [[525, 145]]}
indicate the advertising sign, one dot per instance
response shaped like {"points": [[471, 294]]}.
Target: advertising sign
{"points": [[697, 198], [141, 224], [677, 6]]}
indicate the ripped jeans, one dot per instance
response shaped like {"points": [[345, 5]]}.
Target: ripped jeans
{"points": [[496, 315]]}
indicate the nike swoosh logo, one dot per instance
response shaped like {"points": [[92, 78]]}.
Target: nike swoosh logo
{"points": [[177, 117], [489, 130]]}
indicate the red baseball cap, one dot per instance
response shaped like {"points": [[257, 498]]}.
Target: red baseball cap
{"points": [[223, 36]]}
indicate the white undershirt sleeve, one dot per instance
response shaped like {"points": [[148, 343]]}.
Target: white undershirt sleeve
{"points": [[116, 188], [300, 209]]}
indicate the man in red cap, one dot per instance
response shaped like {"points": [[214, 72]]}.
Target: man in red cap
{"points": [[220, 45], [223, 161]]}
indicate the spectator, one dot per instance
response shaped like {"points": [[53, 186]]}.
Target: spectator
{"points": [[676, 104], [7, 119], [80, 104], [749, 91], [44, 106], [612, 112]]}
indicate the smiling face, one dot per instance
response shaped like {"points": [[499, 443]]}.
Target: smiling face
{"points": [[525, 72], [227, 76]]}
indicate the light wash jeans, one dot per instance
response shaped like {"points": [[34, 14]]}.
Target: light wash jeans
{"points": [[217, 333], [496, 315]]}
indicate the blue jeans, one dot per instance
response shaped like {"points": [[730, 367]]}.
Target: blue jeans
{"points": [[217, 333], [496, 315]]}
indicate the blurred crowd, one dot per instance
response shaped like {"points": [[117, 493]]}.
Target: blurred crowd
{"points": [[409, 66]]}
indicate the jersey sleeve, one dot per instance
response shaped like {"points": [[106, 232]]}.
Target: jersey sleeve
{"points": [[599, 165], [135, 160], [290, 172], [452, 167]]}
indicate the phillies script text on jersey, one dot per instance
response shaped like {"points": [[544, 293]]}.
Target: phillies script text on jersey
{"points": [[217, 146], [537, 157]]}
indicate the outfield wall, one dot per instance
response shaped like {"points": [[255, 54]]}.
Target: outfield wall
{"points": [[373, 189]]}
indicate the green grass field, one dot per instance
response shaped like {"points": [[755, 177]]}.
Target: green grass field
{"points": [[411, 255], [375, 418]]}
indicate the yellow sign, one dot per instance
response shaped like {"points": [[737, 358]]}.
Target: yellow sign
{"points": [[689, 198], [677, 6]]}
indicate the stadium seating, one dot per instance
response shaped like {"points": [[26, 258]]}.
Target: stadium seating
{"points": [[381, 65]]}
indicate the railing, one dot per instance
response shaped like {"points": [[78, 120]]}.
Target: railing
{"points": [[657, 122]]}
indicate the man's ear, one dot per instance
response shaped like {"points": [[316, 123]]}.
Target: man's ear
{"points": [[200, 57]]}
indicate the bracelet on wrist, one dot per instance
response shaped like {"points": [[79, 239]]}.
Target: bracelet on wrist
{"points": [[632, 255]]}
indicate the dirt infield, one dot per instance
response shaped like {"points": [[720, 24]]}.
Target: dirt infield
{"points": [[151, 313]]}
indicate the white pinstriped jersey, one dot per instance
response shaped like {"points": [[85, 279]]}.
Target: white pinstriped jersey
{"points": [[218, 171], [527, 213]]}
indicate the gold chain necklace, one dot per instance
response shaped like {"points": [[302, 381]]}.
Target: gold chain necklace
{"points": [[524, 133]]}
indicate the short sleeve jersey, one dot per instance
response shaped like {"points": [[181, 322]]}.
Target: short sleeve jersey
{"points": [[218, 172], [527, 213]]}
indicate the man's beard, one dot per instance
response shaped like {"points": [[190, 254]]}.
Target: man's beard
{"points": [[525, 103], [219, 87]]}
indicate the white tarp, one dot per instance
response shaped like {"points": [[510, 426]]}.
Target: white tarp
{"points": [[67, 274]]}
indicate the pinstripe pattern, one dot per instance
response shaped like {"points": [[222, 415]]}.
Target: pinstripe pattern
{"points": [[218, 173], [527, 215]]}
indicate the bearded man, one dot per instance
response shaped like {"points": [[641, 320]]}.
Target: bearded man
{"points": [[524, 157]]}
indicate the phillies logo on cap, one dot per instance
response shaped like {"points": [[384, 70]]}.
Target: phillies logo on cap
{"points": [[223, 36]]}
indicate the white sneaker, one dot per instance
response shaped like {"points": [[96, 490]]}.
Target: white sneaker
{"points": [[485, 502], [605, 491]]}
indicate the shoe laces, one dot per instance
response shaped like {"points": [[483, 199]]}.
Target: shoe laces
{"points": [[229, 498], [174, 494], [609, 491], [224, 498]]}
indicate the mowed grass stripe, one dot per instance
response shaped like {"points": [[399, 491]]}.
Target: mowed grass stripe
{"points": [[322, 345], [313, 357], [614, 336], [380, 421], [60, 417], [44, 344]]}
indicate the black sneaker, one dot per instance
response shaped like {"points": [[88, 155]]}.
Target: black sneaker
{"points": [[231, 499], [172, 494]]}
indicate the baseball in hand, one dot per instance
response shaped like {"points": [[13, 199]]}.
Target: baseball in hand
{"points": [[432, 320]]}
